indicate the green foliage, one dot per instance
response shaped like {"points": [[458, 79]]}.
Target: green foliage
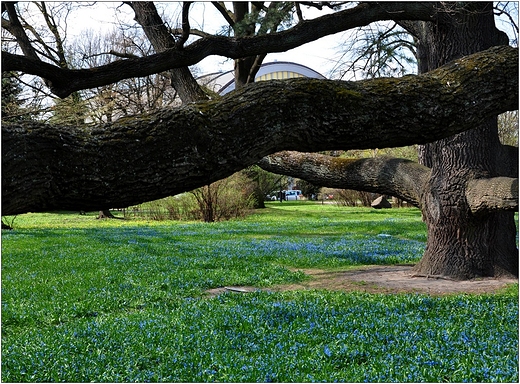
{"points": [[308, 189], [263, 183], [408, 152], [180, 207], [268, 20], [70, 111], [123, 300], [12, 109], [223, 200], [294, 336]]}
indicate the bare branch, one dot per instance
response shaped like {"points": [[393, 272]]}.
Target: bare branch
{"points": [[192, 31], [124, 55], [15, 28], [185, 25], [298, 11], [228, 15], [320, 4]]}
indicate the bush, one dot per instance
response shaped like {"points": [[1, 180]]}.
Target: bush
{"points": [[225, 199], [350, 198], [179, 207], [222, 200]]}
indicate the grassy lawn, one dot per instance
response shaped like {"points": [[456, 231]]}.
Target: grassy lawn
{"points": [[123, 300]]}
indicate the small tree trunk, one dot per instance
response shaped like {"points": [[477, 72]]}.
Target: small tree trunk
{"points": [[259, 198], [105, 214]]}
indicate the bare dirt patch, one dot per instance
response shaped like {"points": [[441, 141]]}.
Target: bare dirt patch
{"points": [[393, 279], [381, 279]]}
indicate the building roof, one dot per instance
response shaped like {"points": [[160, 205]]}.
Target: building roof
{"points": [[224, 82]]}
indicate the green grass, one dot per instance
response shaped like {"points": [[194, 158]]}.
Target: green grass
{"points": [[114, 300]]}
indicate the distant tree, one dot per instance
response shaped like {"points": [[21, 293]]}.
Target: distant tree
{"points": [[263, 183], [308, 189], [130, 96], [376, 50], [12, 109]]}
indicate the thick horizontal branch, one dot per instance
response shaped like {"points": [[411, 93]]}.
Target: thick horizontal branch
{"points": [[385, 175], [65, 81], [48, 167], [494, 194]]}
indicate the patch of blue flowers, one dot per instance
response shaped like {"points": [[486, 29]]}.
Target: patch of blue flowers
{"points": [[293, 336], [125, 304], [344, 250]]}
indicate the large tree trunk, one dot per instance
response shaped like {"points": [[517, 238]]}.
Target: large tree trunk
{"points": [[462, 244]]}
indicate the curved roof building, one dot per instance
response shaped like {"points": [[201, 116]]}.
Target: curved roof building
{"points": [[224, 82]]}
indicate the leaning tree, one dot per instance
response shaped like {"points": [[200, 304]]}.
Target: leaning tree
{"points": [[466, 186]]}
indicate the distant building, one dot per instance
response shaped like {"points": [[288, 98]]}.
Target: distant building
{"points": [[224, 82]]}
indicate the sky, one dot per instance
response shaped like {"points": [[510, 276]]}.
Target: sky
{"points": [[105, 16]]}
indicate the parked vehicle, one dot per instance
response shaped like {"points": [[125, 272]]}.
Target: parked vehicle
{"points": [[273, 196], [294, 194]]}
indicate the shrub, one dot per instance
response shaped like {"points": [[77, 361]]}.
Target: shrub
{"points": [[224, 199], [350, 198], [179, 207]]}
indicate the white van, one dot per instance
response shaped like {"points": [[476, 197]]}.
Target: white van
{"points": [[295, 194]]}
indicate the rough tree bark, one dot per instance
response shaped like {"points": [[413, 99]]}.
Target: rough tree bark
{"points": [[47, 167], [385, 175], [401, 178]]}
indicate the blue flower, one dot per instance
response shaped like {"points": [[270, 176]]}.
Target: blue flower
{"points": [[327, 351]]}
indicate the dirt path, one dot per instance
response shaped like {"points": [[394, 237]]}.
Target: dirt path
{"points": [[382, 279]]}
